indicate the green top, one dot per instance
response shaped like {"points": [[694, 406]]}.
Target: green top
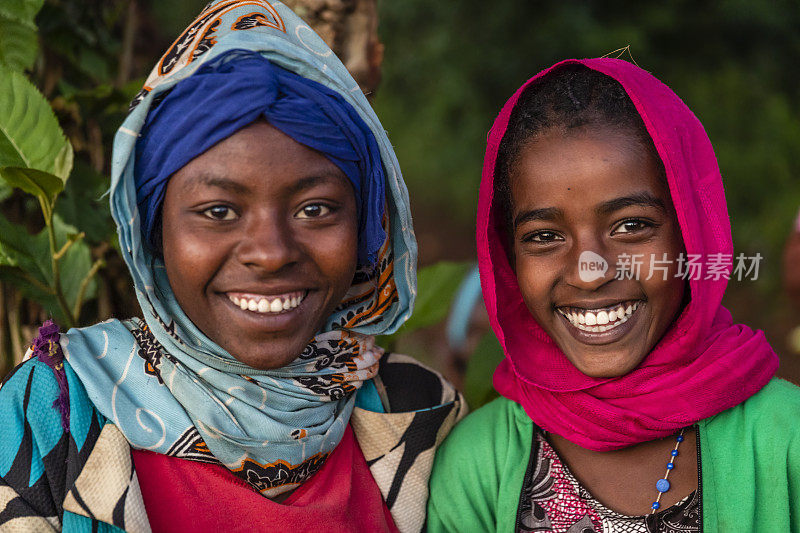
{"points": [[750, 463]]}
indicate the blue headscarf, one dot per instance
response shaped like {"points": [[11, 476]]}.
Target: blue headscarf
{"points": [[230, 93]]}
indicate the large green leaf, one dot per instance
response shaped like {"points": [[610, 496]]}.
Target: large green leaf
{"points": [[18, 42], [24, 10], [18, 37], [30, 137]]}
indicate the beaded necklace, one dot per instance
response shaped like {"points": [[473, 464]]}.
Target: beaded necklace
{"points": [[662, 485]]}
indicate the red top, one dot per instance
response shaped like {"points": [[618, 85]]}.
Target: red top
{"points": [[182, 495]]}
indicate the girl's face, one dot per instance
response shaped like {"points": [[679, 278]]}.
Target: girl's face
{"points": [[595, 192], [260, 243]]}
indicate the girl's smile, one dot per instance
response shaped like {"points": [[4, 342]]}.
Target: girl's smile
{"points": [[601, 325], [603, 192], [260, 243]]}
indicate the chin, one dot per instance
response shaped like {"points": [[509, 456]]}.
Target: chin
{"points": [[605, 365]]}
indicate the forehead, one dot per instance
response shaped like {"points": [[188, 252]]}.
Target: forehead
{"points": [[259, 156], [585, 168]]}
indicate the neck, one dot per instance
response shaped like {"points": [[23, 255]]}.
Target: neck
{"points": [[624, 480]]}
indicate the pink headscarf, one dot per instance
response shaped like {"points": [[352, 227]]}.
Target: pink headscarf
{"points": [[703, 365]]}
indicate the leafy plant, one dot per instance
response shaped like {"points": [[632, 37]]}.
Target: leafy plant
{"points": [[436, 286], [18, 39], [53, 267]]}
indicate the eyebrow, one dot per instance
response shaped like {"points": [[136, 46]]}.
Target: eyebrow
{"points": [[638, 199], [319, 178], [545, 213], [606, 208]]}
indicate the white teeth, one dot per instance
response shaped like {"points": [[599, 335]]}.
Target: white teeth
{"points": [[600, 321], [260, 304]]}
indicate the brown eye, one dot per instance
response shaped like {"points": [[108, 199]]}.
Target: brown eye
{"points": [[220, 212], [313, 211], [542, 237], [630, 226]]}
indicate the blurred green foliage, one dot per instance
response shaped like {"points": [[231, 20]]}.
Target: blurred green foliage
{"points": [[449, 67]]}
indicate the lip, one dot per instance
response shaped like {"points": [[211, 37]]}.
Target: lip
{"points": [[602, 337]]}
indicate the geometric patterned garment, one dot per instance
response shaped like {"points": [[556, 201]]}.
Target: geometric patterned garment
{"points": [[553, 500], [80, 477]]}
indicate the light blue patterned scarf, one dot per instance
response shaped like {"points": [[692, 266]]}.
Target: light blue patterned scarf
{"points": [[167, 386]]}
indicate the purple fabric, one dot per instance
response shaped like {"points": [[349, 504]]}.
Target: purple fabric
{"points": [[704, 364], [47, 349]]}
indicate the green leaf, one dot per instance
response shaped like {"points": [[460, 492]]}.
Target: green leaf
{"points": [[35, 182], [25, 261], [27, 252], [436, 287], [5, 190], [478, 389], [18, 43], [23, 10], [30, 137]]}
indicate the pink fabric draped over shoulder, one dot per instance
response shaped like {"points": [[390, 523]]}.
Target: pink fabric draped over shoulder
{"points": [[703, 365]]}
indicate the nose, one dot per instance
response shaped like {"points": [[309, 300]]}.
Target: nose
{"points": [[589, 265], [267, 244]]}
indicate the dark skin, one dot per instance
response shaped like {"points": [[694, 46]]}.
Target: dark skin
{"points": [[600, 190], [260, 217]]}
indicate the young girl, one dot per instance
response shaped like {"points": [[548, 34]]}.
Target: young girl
{"points": [[631, 401], [263, 217]]}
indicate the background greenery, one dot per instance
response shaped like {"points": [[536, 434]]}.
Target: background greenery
{"points": [[448, 68]]}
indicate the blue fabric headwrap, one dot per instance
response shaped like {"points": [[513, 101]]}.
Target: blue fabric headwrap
{"points": [[232, 92]]}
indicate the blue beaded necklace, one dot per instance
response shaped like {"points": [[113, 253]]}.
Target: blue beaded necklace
{"points": [[662, 485]]}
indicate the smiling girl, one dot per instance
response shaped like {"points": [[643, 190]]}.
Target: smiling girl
{"points": [[264, 220], [631, 401]]}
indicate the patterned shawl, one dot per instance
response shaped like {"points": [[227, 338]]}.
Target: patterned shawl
{"points": [[167, 386]]}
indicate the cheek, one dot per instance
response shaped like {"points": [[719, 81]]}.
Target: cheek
{"points": [[335, 254], [534, 279], [190, 263]]}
